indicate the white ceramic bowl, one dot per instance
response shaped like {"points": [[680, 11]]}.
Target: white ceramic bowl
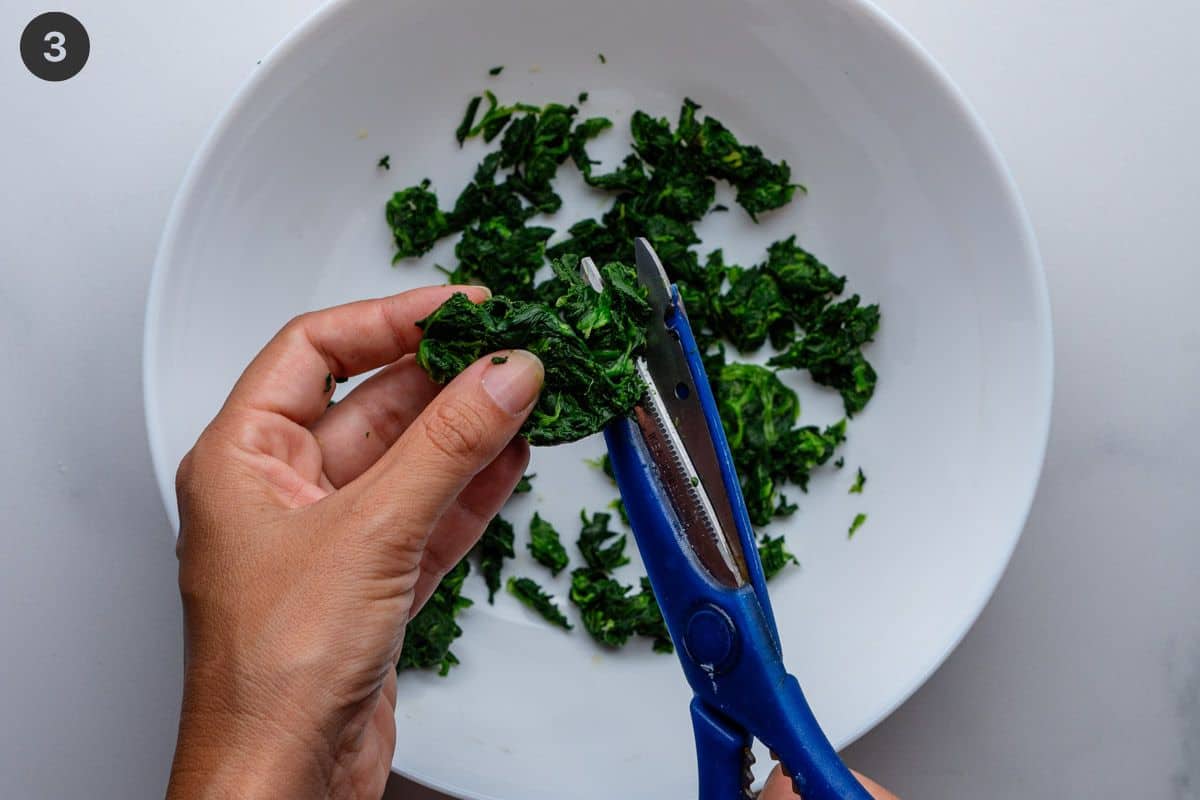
{"points": [[282, 211]]}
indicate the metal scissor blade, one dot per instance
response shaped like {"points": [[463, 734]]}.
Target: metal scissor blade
{"points": [[673, 424]]}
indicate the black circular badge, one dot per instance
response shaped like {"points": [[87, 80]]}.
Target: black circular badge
{"points": [[55, 46]]}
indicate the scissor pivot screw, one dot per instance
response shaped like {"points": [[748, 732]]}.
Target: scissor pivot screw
{"points": [[710, 638]]}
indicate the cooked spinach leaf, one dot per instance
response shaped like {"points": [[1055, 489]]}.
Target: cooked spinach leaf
{"points": [[774, 556], [602, 548], [546, 546], [429, 634], [493, 548], [417, 222], [531, 594]]}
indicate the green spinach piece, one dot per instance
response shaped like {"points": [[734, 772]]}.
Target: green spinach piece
{"points": [[429, 634], [759, 415], [531, 594], [546, 546], [774, 556], [831, 351], [416, 221], [611, 615], [468, 120], [603, 549], [493, 548]]}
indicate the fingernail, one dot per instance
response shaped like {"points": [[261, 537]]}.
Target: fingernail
{"points": [[514, 382]]}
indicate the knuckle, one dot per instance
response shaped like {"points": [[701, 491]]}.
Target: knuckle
{"points": [[295, 332], [296, 325], [193, 470], [186, 473], [456, 429]]}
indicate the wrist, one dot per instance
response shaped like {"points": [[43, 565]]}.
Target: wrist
{"points": [[226, 751]]}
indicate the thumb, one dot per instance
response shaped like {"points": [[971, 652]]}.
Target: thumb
{"points": [[462, 430]]}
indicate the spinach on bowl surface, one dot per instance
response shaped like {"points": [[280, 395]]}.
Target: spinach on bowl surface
{"points": [[429, 634], [494, 547], [528, 592], [546, 546], [510, 234]]}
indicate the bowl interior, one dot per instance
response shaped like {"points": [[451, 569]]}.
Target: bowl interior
{"points": [[283, 212]]}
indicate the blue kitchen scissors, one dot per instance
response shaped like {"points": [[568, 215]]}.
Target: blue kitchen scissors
{"points": [[677, 480]]}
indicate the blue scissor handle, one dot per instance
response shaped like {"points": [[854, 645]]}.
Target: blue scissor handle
{"points": [[726, 638]]}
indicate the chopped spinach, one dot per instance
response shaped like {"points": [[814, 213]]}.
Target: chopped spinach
{"points": [[525, 485], [416, 221], [495, 70], [587, 341], [493, 548], [859, 481], [385, 163], [429, 634], [661, 190], [612, 615], [759, 414], [602, 548], [618, 505], [546, 546], [831, 351], [468, 121], [774, 556], [859, 519], [528, 592]]}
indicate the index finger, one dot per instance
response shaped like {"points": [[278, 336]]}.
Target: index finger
{"points": [[295, 373]]}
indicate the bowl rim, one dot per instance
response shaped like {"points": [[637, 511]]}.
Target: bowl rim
{"points": [[1032, 265]]}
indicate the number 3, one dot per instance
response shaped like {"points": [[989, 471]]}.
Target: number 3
{"points": [[57, 52]]}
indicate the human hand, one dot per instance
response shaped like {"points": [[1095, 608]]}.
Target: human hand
{"points": [[779, 787], [309, 537]]}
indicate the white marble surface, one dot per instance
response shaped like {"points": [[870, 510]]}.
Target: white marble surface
{"points": [[1081, 679]]}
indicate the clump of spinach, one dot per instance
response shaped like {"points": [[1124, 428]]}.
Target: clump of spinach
{"points": [[611, 614], [587, 342], [759, 414]]}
